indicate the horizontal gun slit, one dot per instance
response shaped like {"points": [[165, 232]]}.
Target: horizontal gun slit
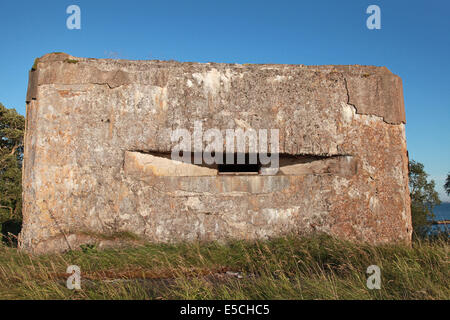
{"points": [[161, 164]]}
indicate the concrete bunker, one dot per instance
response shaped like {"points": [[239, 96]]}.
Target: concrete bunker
{"points": [[98, 153]]}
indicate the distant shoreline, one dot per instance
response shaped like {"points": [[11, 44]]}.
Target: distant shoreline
{"points": [[442, 211]]}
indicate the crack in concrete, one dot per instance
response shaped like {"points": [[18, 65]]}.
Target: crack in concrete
{"points": [[356, 108]]}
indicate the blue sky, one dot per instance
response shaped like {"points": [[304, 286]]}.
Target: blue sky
{"points": [[414, 43]]}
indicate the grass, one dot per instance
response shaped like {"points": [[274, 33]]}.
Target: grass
{"points": [[71, 61], [34, 67], [120, 235], [318, 267]]}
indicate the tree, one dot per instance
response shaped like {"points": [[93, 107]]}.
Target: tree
{"points": [[447, 184], [423, 198], [12, 127]]}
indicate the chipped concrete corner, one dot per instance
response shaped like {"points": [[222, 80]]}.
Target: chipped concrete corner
{"points": [[95, 130]]}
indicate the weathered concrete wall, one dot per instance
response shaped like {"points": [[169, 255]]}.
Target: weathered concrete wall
{"points": [[92, 124]]}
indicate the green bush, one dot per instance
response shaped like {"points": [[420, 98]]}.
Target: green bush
{"points": [[12, 127], [423, 199]]}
